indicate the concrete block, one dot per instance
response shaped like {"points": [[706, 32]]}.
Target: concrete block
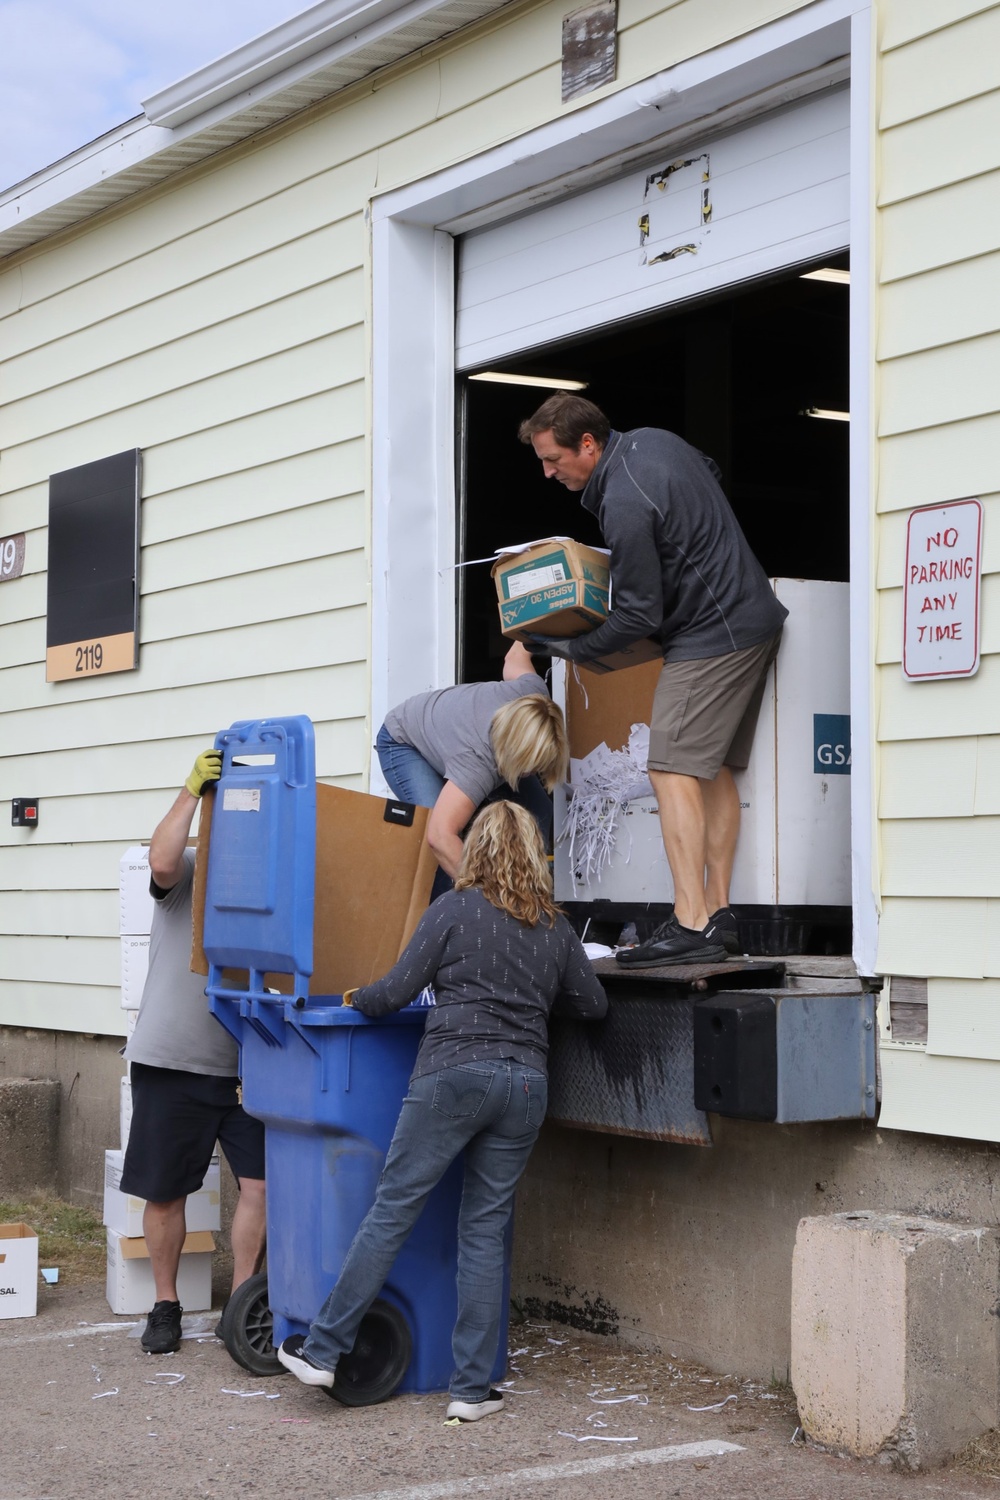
{"points": [[895, 1335], [29, 1134]]}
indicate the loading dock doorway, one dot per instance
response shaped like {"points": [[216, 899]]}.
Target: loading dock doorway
{"points": [[734, 375]]}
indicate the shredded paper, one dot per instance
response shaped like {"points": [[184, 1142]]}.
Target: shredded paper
{"points": [[602, 785]]}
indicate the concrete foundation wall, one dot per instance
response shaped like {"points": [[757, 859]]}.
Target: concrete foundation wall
{"points": [[88, 1069], [689, 1249]]}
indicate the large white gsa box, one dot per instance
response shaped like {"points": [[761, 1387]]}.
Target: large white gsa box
{"points": [[795, 829]]}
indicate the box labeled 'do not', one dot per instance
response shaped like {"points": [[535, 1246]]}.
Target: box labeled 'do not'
{"points": [[123, 1211], [18, 1271]]}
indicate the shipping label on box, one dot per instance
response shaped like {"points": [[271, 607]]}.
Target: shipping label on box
{"points": [[135, 902], [18, 1271], [554, 587], [123, 1211], [130, 1285], [135, 966]]}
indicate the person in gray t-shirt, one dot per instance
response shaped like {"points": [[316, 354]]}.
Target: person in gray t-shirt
{"points": [[683, 573], [449, 750], [185, 1088]]}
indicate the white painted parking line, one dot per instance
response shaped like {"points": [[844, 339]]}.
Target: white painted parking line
{"points": [[63, 1333], [580, 1469]]}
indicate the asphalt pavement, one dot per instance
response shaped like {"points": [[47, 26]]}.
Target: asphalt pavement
{"points": [[86, 1413]]}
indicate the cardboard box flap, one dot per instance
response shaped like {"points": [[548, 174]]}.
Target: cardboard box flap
{"points": [[17, 1232], [137, 1249], [373, 881], [606, 707]]}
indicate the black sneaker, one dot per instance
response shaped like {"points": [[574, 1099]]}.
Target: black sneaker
{"points": [[471, 1411], [162, 1334], [672, 944], [294, 1358], [722, 927]]}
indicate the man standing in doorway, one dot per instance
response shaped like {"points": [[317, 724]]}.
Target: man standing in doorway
{"points": [[682, 573], [185, 1088]]}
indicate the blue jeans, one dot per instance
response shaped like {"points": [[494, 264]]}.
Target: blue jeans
{"points": [[409, 776], [411, 779], [492, 1111]]}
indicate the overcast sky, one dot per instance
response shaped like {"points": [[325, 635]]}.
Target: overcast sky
{"points": [[72, 69]]}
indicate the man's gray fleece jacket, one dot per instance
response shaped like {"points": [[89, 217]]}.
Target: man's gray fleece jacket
{"points": [[681, 568]]}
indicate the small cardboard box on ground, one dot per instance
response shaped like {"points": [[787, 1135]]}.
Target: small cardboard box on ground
{"points": [[18, 1271], [123, 1211], [561, 588], [373, 881], [130, 1285]]}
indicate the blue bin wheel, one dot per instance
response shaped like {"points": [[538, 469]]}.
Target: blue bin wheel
{"points": [[247, 1327], [379, 1360]]}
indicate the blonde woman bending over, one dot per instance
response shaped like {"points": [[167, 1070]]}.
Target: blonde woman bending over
{"points": [[451, 749], [499, 953]]}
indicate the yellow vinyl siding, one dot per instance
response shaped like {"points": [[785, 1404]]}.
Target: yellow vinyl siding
{"points": [[963, 1018], [938, 352], [949, 1096]]}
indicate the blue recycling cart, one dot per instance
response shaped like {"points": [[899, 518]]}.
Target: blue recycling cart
{"points": [[327, 1082]]}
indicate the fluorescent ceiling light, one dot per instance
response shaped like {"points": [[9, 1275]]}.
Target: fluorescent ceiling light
{"points": [[822, 411], [547, 382], [827, 273]]}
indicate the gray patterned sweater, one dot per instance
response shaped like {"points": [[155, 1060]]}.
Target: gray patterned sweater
{"points": [[495, 982]]}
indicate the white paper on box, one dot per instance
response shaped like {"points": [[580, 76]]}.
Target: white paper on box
{"points": [[130, 1286], [135, 966], [123, 1211], [135, 902], [18, 1271]]}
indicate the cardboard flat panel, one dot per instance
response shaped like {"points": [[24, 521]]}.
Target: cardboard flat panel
{"points": [[602, 709], [373, 883]]}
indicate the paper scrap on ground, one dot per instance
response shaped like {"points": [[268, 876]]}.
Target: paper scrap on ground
{"points": [[592, 1438], [617, 1400], [172, 1377], [266, 1394], [717, 1406], [98, 1394], [51, 1274]]}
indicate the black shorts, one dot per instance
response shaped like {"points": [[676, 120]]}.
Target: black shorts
{"points": [[177, 1118]]}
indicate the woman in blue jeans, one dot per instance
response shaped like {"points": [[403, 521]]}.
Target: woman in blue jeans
{"points": [[451, 749], [499, 954]]}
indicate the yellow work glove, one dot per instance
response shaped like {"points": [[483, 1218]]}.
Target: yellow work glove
{"points": [[348, 996], [208, 767]]}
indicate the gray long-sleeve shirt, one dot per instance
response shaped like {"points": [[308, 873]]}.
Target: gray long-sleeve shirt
{"points": [[681, 568], [495, 983]]}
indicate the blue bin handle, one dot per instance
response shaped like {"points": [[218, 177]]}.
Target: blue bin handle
{"points": [[261, 731]]}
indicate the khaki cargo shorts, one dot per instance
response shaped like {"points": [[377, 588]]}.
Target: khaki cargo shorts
{"points": [[705, 711]]}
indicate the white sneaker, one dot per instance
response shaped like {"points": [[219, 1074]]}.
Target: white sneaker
{"points": [[292, 1355], [471, 1411]]}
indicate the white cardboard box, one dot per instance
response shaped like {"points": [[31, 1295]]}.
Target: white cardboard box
{"points": [[123, 1211], [135, 902], [135, 966], [18, 1271], [125, 1111], [794, 849], [130, 1285]]}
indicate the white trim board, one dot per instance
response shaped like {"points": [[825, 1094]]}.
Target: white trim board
{"points": [[413, 477]]}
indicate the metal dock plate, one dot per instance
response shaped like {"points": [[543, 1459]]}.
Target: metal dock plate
{"points": [[633, 1073]]}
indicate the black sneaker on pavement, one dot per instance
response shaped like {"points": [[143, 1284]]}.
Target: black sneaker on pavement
{"points": [[294, 1358], [676, 945], [722, 927], [162, 1334], [471, 1411]]}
